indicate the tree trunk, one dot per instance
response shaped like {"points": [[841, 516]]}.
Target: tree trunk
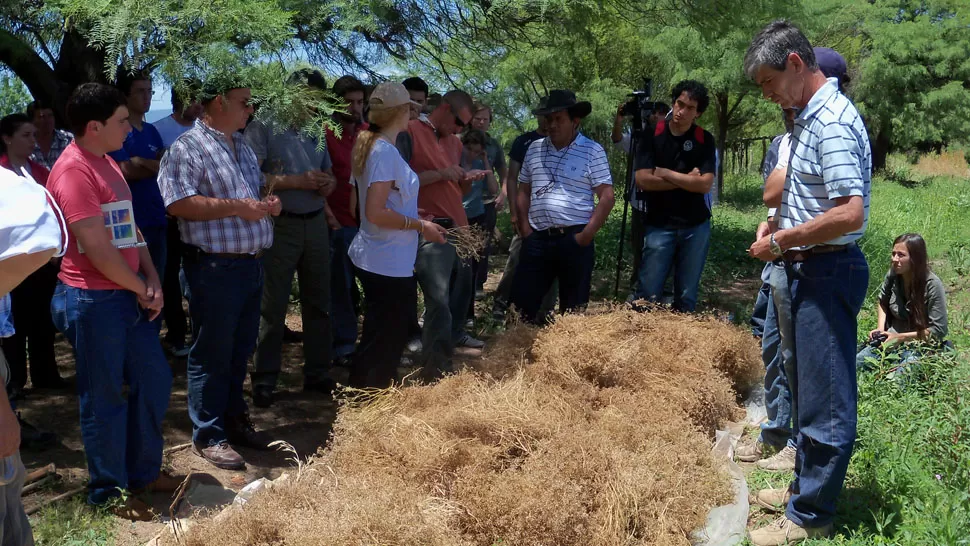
{"points": [[723, 115], [880, 148]]}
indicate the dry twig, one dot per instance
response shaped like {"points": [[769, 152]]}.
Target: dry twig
{"points": [[469, 241]]}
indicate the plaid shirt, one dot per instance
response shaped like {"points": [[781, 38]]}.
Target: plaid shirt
{"points": [[200, 163], [60, 141], [6, 319]]}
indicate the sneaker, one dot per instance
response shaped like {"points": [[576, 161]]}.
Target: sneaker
{"points": [[133, 509], [241, 432], [470, 323], [773, 500], [468, 341], [33, 438], [414, 346], [221, 455], [783, 461], [750, 453], [785, 531]]}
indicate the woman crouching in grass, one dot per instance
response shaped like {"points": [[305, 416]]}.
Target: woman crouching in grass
{"points": [[912, 308]]}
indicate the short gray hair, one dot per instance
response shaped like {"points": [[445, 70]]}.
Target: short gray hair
{"points": [[772, 46]]}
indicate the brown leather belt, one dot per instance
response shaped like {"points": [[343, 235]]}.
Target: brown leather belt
{"points": [[802, 255]]}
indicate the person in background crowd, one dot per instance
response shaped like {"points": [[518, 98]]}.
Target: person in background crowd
{"points": [[476, 158], [768, 165], [31, 300], [300, 172], [775, 447], [170, 128], [51, 141], [104, 303], [503, 293], [138, 159], [434, 100], [211, 182], [912, 307], [675, 168], [557, 216], [33, 231], [434, 152], [824, 211], [418, 91], [342, 201], [482, 121], [638, 203], [385, 248]]}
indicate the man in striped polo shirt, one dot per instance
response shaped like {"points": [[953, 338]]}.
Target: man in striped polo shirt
{"points": [[824, 210], [557, 216]]}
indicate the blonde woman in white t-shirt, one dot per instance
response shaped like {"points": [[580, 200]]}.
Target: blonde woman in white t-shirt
{"points": [[386, 245]]}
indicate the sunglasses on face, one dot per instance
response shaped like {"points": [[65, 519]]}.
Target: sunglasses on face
{"points": [[458, 121]]}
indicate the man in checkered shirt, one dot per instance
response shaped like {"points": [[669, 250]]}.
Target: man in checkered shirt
{"points": [[211, 182], [51, 141]]}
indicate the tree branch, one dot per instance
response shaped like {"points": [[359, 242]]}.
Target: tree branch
{"points": [[36, 74]]}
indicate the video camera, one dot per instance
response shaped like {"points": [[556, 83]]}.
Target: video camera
{"points": [[640, 105]]}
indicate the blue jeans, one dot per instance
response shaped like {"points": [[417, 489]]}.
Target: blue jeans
{"points": [[446, 282], [114, 345], [344, 296], [778, 358], [157, 239], [224, 303], [760, 310], [682, 250], [546, 259], [827, 292]]}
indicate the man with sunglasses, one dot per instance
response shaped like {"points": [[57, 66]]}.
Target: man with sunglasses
{"points": [[211, 181], [433, 150]]}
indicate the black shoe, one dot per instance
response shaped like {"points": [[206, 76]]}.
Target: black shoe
{"points": [[32, 438], [241, 432], [325, 386], [291, 336], [262, 397]]}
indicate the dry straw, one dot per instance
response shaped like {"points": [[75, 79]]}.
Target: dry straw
{"points": [[595, 430], [469, 241]]}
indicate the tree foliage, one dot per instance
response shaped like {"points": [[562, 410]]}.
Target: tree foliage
{"points": [[13, 95]]}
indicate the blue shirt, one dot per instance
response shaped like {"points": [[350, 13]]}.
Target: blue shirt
{"points": [[831, 158], [6, 318], [474, 200], [388, 252], [146, 198]]}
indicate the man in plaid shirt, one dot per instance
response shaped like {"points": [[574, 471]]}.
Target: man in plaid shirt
{"points": [[51, 141], [211, 182]]}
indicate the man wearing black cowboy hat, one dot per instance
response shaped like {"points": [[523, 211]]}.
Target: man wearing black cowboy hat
{"points": [[558, 216], [675, 168]]}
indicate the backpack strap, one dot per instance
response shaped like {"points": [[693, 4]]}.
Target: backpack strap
{"points": [[659, 129], [699, 134]]}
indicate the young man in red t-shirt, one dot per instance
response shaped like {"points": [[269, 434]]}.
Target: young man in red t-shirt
{"points": [[106, 296]]}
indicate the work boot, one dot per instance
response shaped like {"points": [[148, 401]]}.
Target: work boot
{"points": [[752, 452], [241, 432], [774, 500], [221, 455], [785, 531], [783, 461], [133, 509]]}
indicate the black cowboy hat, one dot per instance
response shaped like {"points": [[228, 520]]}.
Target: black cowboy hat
{"points": [[564, 99]]}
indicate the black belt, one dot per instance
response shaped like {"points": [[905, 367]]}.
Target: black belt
{"points": [[191, 251], [301, 215], [558, 231], [802, 255]]}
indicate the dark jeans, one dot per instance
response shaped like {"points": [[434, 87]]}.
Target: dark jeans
{"points": [[114, 346], [31, 313], [344, 296], [638, 230], [157, 239], [827, 292], [778, 358], [682, 250], [477, 265], [389, 304], [299, 245], [545, 259], [488, 224], [503, 294], [224, 298], [446, 282], [173, 313], [760, 310]]}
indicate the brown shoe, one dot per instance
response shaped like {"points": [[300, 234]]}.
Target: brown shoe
{"points": [[134, 509], [164, 483], [241, 432], [221, 455], [774, 500]]}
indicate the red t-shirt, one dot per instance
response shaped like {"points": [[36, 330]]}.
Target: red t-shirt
{"points": [[340, 153], [442, 198], [80, 183]]}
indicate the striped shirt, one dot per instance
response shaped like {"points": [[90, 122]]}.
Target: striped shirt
{"points": [[200, 163], [6, 317], [830, 158], [562, 181], [58, 145]]}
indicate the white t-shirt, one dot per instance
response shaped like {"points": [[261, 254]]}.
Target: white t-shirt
{"points": [[388, 252], [170, 130], [784, 152]]}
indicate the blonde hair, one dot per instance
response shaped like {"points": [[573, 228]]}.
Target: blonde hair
{"points": [[378, 119]]}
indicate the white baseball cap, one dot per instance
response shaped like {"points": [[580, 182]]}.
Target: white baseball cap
{"points": [[389, 95]]}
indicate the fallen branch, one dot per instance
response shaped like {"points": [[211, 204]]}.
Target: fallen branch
{"points": [[40, 473], [30, 488], [179, 447], [58, 498]]}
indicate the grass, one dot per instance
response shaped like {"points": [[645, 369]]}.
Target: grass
{"points": [[73, 523]]}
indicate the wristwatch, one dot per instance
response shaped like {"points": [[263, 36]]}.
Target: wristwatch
{"points": [[774, 246]]}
